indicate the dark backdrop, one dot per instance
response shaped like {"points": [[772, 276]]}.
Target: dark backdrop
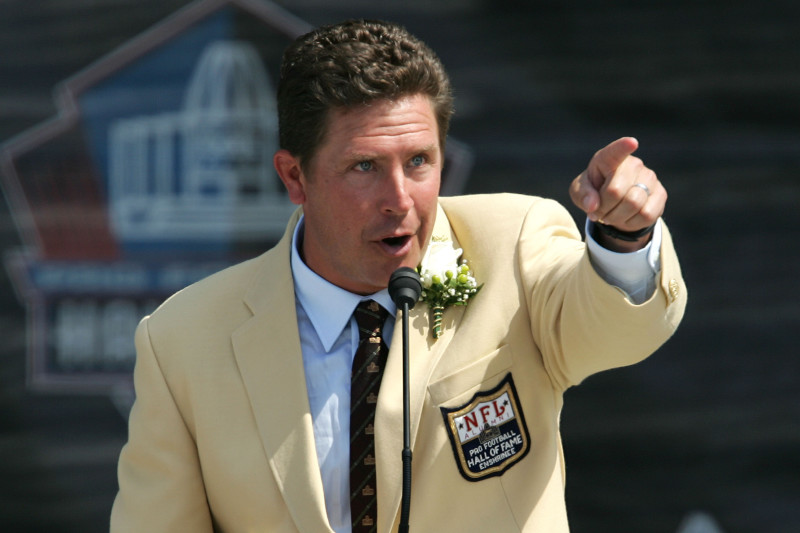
{"points": [[712, 421]]}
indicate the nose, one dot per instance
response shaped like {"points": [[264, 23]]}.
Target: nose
{"points": [[396, 197]]}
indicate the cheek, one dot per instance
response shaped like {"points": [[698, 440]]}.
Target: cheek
{"points": [[347, 224], [426, 199]]}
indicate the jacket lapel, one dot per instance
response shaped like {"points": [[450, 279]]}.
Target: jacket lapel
{"points": [[267, 350], [424, 354]]}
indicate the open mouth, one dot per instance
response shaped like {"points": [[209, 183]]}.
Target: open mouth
{"points": [[396, 245], [396, 242]]}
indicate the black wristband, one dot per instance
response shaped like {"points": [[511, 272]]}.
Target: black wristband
{"points": [[630, 236]]}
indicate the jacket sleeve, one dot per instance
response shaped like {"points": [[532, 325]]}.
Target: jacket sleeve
{"points": [[160, 482], [582, 324]]}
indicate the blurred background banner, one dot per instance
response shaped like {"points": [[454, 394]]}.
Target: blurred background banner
{"points": [[156, 171], [136, 139]]}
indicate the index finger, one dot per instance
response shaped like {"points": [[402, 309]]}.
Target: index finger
{"points": [[608, 159]]}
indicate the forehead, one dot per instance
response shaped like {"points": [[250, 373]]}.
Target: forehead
{"points": [[408, 118]]}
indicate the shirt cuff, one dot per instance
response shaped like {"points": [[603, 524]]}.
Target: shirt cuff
{"points": [[634, 272]]}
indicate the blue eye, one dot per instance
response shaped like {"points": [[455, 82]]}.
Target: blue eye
{"points": [[364, 166], [417, 161]]}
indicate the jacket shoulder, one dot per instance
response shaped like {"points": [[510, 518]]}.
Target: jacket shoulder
{"points": [[224, 289], [501, 213], [483, 202]]}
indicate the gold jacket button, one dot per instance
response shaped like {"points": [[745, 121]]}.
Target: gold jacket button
{"points": [[674, 289]]}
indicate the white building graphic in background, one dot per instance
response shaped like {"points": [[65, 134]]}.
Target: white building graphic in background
{"points": [[204, 173]]}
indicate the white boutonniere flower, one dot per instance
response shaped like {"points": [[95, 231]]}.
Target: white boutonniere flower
{"points": [[446, 280]]}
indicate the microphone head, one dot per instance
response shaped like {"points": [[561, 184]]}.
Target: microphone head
{"points": [[405, 287]]}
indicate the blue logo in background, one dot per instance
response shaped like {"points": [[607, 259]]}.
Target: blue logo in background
{"points": [[156, 172]]}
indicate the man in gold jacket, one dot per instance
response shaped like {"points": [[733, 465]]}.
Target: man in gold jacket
{"points": [[241, 417]]}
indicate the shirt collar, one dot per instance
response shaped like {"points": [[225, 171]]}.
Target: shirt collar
{"points": [[328, 307]]}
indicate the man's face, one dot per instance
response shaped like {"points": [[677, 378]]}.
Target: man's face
{"points": [[370, 192]]}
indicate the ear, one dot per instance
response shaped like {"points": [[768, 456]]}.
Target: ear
{"points": [[291, 174]]}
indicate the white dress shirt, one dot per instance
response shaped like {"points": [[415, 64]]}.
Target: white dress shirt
{"points": [[635, 272], [329, 338]]}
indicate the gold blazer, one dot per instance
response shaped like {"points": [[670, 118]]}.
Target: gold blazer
{"points": [[221, 435]]}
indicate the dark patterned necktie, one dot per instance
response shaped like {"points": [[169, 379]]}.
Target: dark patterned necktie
{"points": [[368, 365]]}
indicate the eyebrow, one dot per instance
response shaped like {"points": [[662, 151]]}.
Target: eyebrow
{"points": [[428, 148], [361, 156]]}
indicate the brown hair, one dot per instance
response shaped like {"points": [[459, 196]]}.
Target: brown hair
{"points": [[351, 64]]}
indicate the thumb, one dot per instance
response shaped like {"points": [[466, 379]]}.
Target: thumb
{"points": [[584, 194]]}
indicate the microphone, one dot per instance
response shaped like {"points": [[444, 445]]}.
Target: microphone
{"points": [[405, 287]]}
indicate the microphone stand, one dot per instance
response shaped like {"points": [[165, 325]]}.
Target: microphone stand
{"points": [[405, 507], [404, 288]]}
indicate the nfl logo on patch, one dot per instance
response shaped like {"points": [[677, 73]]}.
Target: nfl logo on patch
{"points": [[488, 433]]}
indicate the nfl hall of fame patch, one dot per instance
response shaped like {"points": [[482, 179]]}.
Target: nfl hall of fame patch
{"points": [[488, 433]]}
